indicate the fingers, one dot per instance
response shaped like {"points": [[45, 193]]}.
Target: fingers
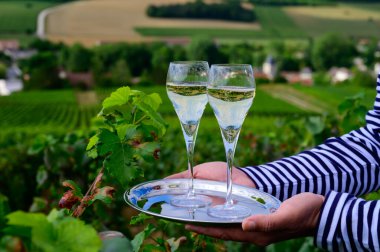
{"points": [[184, 174], [235, 234], [265, 223]]}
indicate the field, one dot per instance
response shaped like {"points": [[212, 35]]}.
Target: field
{"points": [[92, 21], [20, 17], [58, 111], [350, 20], [274, 22]]}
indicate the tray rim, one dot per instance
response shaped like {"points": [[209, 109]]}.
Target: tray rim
{"points": [[187, 221]]}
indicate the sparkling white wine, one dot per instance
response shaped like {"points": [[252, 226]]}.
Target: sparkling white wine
{"points": [[189, 101], [230, 105]]}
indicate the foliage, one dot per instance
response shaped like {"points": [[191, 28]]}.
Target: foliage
{"points": [[352, 112], [42, 69], [363, 79], [286, 137], [131, 128], [3, 71], [332, 50], [79, 58], [54, 232], [120, 73], [228, 10], [202, 48]]}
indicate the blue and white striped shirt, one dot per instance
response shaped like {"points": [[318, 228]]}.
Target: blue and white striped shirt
{"points": [[340, 168]]}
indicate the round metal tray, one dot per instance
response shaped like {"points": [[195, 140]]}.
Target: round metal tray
{"points": [[153, 198]]}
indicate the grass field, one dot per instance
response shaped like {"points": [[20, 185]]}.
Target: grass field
{"points": [[20, 17], [274, 22], [359, 20], [332, 96]]}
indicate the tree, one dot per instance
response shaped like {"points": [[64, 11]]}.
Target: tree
{"points": [[120, 73], [3, 71], [79, 58], [43, 71], [364, 79], [241, 54], [202, 48], [161, 58], [332, 50]]}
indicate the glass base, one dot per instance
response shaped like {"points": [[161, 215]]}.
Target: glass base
{"points": [[191, 201], [229, 211]]}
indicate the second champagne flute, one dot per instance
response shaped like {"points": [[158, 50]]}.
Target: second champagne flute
{"points": [[186, 85], [231, 91]]}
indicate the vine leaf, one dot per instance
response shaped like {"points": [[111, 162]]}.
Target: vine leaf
{"points": [[54, 232], [139, 219], [104, 194], [120, 159], [117, 98], [140, 237]]}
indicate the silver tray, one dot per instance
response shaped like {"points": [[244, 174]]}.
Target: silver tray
{"points": [[153, 198]]}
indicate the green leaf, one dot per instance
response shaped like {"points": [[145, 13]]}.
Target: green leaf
{"points": [[345, 105], [56, 215], [154, 100], [93, 153], [42, 234], [117, 98], [74, 235], [92, 142], [120, 160], [146, 150], [139, 219], [54, 232], [155, 118], [140, 237], [104, 194], [126, 131]]}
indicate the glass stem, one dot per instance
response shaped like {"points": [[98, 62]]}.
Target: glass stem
{"points": [[190, 155], [230, 151], [230, 137]]}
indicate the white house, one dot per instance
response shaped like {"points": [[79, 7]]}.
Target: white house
{"points": [[339, 74], [270, 68]]}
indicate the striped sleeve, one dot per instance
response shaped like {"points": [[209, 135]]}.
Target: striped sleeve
{"points": [[348, 224], [349, 163]]}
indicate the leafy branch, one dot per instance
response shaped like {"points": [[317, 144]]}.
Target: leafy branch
{"points": [[129, 135]]}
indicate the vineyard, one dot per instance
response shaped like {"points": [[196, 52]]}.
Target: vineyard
{"points": [[61, 111]]}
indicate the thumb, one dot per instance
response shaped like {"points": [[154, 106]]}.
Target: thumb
{"points": [[260, 223]]}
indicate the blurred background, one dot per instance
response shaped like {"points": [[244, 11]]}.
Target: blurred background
{"points": [[315, 64]]}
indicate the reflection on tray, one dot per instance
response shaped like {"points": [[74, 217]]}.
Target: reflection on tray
{"points": [[153, 197]]}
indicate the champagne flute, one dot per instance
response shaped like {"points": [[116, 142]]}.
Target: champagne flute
{"points": [[186, 85], [231, 91]]}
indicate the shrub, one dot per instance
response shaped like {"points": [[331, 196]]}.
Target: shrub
{"points": [[228, 10]]}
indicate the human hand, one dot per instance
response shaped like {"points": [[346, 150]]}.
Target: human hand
{"points": [[296, 217], [216, 171]]}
